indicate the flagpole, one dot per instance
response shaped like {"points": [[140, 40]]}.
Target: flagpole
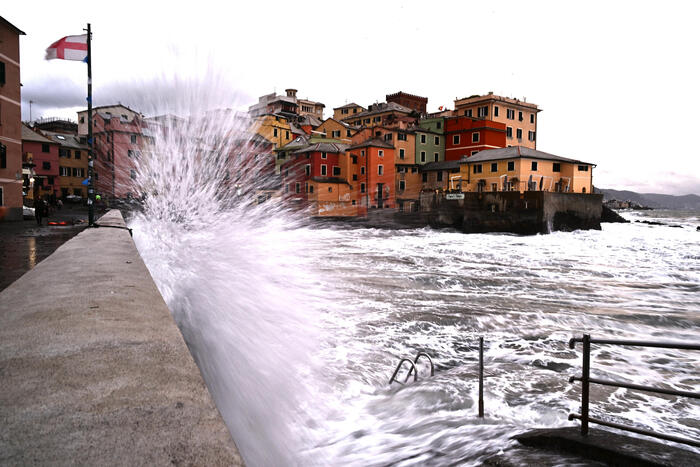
{"points": [[91, 183]]}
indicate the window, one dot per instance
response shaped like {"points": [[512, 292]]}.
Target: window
{"points": [[306, 187], [286, 188], [436, 156], [79, 172], [402, 153], [354, 202], [77, 154], [510, 114], [46, 165], [82, 119], [519, 133], [286, 134], [556, 167], [324, 155], [50, 180], [380, 169], [422, 156], [455, 139], [439, 125], [422, 139], [483, 111], [494, 166], [133, 139], [583, 168], [3, 156], [377, 119], [63, 152], [354, 177], [362, 187], [132, 174], [520, 116], [533, 165], [297, 187], [531, 135], [401, 136], [336, 170], [362, 153], [335, 134], [439, 176], [354, 159], [381, 153], [311, 188], [437, 141], [330, 189], [509, 132], [344, 111], [475, 137], [402, 185], [495, 111], [307, 169], [477, 168], [532, 118], [388, 137], [425, 177], [324, 169], [44, 147], [347, 133], [286, 172], [367, 120], [468, 113], [64, 171], [77, 192], [274, 132], [130, 153], [494, 187], [362, 170]]}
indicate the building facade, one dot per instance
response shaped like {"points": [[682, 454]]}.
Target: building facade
{"points": [[41, 153], [72, 165], [411, 101], [466, 136], [10, 123], [346, 111], [383, 114], [519, 117]]}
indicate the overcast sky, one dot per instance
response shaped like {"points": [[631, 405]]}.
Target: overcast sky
{"points": [[616, 81]]}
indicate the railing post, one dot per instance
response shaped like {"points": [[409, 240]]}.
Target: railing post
{"points": [[585, 376], [481, 377]]}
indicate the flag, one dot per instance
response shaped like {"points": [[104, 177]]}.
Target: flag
{"points": [[68, 48], [85, 182]]}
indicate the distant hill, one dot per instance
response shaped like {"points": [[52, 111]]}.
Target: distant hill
{"points": [[653, 200]]}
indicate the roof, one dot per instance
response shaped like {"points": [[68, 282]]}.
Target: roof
{"points": [[18, 31], [309, 120], [352, 104], [490, 96], [297, 143], [517, 152], [30, 135], [67, 140], [444, 165], [95, 109], [374, 143], [381, 108], [323, 147], [330, 180]]}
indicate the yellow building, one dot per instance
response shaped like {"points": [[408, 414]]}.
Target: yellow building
{"points": [[523, 169], [383, 113], [520, 117], [332, 197], [273, 128], [332, 128], [347, 111]]}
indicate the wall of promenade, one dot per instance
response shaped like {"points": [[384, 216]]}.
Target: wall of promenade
{"points": [[93, 369]]}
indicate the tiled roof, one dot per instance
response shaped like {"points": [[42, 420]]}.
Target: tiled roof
{"points": [[444, 165], [67, 140], [516, 152], [30, 135], [352, 104], [381, 108], [374, 143], [323, 147]]}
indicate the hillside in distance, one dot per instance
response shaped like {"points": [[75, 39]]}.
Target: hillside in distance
{"points": [[653, 200]]}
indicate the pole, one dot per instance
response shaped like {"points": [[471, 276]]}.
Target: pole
{"points": [[91, 184], [481, 377], [585, 376]]}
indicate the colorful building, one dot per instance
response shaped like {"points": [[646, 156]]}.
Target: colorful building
{"points": [[72, 164], [119, 134], [374, 158], [519, 117], [42, 153], [287, 106], [336, 129], [430, 140], [466, 136], [411, 101], [347, 111], [441, 176], [10, 123], [383, 114], [521, 169]]}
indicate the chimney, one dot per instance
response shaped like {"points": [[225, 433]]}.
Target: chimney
{"points": [[291, 92]]}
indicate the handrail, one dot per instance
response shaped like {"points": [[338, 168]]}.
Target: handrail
{"points": [[398, 367], [415, 362], [586, 380]]}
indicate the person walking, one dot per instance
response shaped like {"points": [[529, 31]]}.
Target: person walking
{"points": [[38, 209]]}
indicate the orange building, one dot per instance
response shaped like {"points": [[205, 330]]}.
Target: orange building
{"points": [[332, 128], [347, 111], [466, 136], [377, 172], [383, 114]]}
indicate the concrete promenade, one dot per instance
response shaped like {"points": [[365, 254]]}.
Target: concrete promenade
{"points": [[93, 369]]}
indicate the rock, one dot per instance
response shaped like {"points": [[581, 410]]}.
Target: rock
{"points": [[608, 215]]}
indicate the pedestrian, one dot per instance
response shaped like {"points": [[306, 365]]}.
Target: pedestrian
{"points": [[38, 209], [59, 204]]}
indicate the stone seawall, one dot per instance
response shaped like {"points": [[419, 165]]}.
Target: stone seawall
{"points": [[93, 369]]}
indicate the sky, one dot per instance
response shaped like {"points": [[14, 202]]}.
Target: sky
{"points": [[616, 81]]}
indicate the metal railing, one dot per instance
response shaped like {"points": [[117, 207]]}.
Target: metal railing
{"points": [[414, 371], [586, 380]]}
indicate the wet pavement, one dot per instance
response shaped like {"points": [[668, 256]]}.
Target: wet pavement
{"points": [[23, 244]]}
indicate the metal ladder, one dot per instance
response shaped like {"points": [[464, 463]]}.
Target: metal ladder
{"points": [[412, 370]]}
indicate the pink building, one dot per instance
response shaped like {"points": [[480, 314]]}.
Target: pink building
{"points": [[43, 153], [118, 134]]}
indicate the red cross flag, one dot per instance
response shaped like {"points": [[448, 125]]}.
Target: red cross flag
{"points": [[69, 48]]}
